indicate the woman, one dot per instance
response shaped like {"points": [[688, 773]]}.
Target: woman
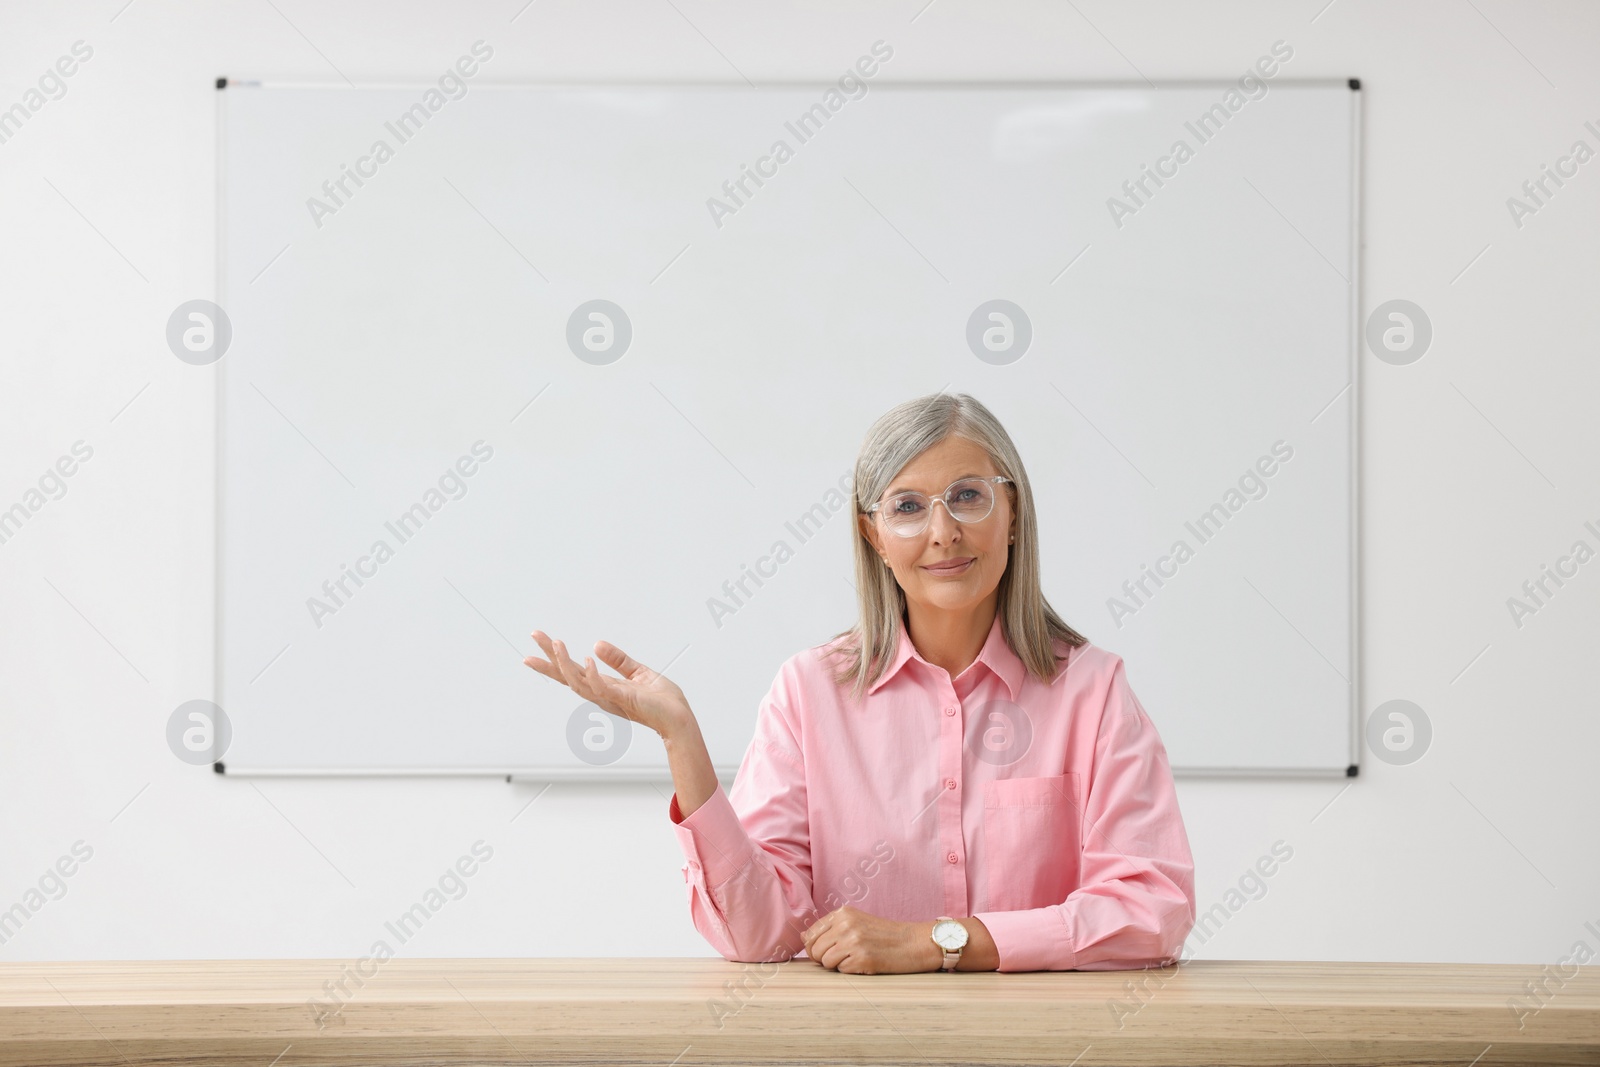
{"points": [[961, 780]]}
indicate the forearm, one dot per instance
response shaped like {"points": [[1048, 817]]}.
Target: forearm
{"points": [[1109, 925], [747, 869], [750, 899], [693, 777]]}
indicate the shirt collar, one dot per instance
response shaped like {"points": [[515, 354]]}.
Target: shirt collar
{"points": [[995, 654]]}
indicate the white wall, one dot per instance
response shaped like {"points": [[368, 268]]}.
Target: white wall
{"points": [[1479, 467]]}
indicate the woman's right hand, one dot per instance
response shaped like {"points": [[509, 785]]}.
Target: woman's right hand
{"points": [[641, 695]]}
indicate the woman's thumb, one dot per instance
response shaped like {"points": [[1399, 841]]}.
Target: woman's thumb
{"points": [[617, 659]]}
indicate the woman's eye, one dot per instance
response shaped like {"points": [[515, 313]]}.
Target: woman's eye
{"points": [[905, 506]]}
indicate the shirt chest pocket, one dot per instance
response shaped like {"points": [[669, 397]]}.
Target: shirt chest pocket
{"points": [[1031, 841]]}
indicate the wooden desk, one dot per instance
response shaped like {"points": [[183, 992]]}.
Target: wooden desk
{"points": [[663, 1011]]}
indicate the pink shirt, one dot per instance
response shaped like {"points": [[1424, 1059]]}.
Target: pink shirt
{"points": [[1046, 811]]}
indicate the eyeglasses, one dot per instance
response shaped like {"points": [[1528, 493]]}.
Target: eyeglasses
{"points": [[967, 500]]}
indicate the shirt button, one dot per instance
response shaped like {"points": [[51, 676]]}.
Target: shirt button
{"points": [[949, 783], [949, 710], [952, 857]]}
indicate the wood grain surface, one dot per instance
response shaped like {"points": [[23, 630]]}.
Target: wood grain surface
{"points": [[702, 1011]]}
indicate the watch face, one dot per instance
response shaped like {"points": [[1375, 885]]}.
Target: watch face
{"points": [[950, 935]]}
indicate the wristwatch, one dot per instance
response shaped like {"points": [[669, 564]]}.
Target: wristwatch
{"points": [[950, 936]]}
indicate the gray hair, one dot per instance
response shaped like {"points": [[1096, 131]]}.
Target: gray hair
{"points": [[1027, 621]]}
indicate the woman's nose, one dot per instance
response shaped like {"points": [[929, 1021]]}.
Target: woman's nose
{"points": [[942, 525]]}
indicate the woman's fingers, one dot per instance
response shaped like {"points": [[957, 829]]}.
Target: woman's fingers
{"points": [[589, 683], [560, 667], [600, 687], [545, 666], [584, 680], [617, 659], [609, 693], [559, 657], [569, 669], [552, 650], [587, 680]]}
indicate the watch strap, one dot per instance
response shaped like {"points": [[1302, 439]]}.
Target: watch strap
{"points": [[951, 958]]}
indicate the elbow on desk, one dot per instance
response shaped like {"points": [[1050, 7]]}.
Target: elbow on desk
{"points": [[1170, 935], [775, 955], [755, 946], [746, 928], [1151, 938], [1174, 934]]}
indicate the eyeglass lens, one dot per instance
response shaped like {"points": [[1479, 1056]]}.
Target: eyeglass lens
{"points": [[968, 501]]}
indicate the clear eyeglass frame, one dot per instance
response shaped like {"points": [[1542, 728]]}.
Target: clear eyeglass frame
{"points": [[943, 498]]}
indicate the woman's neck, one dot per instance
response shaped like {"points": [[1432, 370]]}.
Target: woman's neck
{"points": [[951, 639]]}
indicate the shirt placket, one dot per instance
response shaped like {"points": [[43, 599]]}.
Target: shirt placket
{"points": [[952, 778]]}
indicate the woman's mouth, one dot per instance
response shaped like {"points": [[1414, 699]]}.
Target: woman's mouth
{"points": [[950, 568]]}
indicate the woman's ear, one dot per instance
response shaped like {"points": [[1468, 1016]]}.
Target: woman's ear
{"points": [[870, 532]]}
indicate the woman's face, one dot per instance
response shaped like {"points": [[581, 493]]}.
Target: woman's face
{"points": [[986, 542]]}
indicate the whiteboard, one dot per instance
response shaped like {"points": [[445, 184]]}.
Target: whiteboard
{"points": [[426, 349]]}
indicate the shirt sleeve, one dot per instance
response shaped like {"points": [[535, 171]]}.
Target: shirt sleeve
{"points": [[1135, 901], [748, 853]]}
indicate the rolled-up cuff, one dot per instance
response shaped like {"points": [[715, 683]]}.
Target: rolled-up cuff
{"points": [[714, 841], [1036, 939]]}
